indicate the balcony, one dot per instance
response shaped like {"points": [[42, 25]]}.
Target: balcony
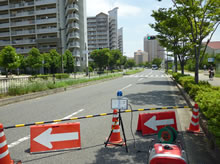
{"points": [[49, 20], [4, 43], [74, 35], [73, 25], [44, 2], [3, 25], [47, 11], [47, 30], [5, 16], [27, 13], [73, 16], [4, 7], [72, 7], [25, 32], [22, 51], [25, 41], [23, 23], [73, 45], [76, 53], [21, 5], [4, 34]]}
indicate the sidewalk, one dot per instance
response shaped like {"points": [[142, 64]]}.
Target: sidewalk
{"points": [[204, 76]]}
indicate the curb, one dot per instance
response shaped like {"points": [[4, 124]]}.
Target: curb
{"points": [[202, 120], [14, 99]]}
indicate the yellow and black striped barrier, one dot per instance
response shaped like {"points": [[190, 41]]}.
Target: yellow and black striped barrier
{"points": [[90, 116]]}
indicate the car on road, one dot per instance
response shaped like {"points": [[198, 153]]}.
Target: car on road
{"points": [[154, 67]]}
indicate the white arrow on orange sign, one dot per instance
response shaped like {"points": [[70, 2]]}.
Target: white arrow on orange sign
{"points": [[153, 123], [46, 137]]}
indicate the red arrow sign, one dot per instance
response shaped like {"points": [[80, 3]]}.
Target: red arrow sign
{"points": [[55, 137], [151, 123]]}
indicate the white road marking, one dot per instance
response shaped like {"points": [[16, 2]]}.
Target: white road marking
{"points": [[126, 87], [13, 144], [140, 79]]}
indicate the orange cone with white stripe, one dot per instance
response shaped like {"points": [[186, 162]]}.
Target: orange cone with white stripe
{"points": [[115, 138], [194, 124], [4, 153]]}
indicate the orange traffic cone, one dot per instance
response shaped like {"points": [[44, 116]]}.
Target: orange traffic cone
{"points": [[115, 137], [4, 153], [194, 124]]}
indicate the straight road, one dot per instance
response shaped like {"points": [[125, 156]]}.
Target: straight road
{"points": [[151, 88]]}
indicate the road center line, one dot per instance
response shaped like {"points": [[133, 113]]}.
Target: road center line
{"points": [[28, 137], [126, 87]]}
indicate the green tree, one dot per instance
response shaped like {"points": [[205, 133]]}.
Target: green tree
{"points": [[9, 59], [35, 59], [101, 57], [55, 60], [69, 61], [115, 58], [130, 63], [203, 18], [157, 61], [47, 61], [23, 61]]}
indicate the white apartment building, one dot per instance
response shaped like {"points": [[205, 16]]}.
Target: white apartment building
{"points": [[46, 25], [153, 48], [103, 31]]}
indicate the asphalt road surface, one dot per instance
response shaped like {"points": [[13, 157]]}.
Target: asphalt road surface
{"points": [[151, 88]]}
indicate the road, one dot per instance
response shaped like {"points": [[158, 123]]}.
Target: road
{"points": [[151, 88]]}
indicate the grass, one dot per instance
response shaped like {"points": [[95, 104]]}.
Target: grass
{"points": [[42, 85], [217, 75]]}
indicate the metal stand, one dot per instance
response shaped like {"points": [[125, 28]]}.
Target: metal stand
{"points": [[122, 127]]}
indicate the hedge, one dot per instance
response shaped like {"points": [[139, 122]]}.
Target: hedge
{"points": [[208, 99]]}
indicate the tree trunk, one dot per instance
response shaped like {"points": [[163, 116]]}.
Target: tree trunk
{"points": [[196, 65], [6, 72], [175, 62]]}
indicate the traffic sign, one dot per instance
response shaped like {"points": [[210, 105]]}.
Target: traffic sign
{"points": [[151, 123], [54, 137]]}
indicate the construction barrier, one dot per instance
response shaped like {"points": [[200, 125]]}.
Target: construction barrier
{"points": [[91, 116]]}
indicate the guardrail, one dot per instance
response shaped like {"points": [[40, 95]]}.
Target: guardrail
{"points": [[90, 116]]}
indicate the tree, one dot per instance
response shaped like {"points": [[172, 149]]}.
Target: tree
{"points": [[55, 60], [203, 16], [115, 58], [130, 63], [157, 61], [172, 30], [47, 61], [69, 61], [35, 59], [23, 61], [101, 57], [9, 59]]}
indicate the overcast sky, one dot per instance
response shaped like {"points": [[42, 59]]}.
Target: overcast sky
{"points": [[134, 16]]}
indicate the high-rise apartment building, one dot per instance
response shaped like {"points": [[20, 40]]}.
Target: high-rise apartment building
{"points": [[153, 48], [103, 31], [46, 25], [140, 57], [120, 39]]}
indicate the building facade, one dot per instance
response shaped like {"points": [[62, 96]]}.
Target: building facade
{"points": [[153, 48], [103, 31], [120, 39], [140, 57], [46, 25]]}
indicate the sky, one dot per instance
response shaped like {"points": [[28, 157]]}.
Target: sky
{"points": [[134, 16]]}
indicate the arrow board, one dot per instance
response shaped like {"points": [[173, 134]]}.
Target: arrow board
{"points": [[153, 123], [46, 137]]}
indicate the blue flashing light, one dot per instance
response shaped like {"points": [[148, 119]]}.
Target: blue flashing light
{"points": [[119, 93]]}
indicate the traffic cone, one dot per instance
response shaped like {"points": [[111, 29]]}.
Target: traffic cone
{"points": [[194, 124], [4, 153], [139, 128], [115, 138]]}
